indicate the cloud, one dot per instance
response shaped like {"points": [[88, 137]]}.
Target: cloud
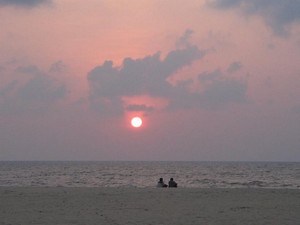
{"points": [[42, 89], [209, 76], [29, 69], [145, 76], [36, 95], [109, 84], [184, 40], [223, 90], [58, 67], [277, 14], [234, 67], [148, 76], [217, 91], [24, 3]]}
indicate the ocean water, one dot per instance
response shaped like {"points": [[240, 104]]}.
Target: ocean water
{"points": [[146, 174]]}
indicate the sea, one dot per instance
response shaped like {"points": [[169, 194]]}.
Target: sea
{"points": [[144, 174]]}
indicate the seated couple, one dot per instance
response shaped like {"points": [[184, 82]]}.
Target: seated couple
{"points": [[161, 183]]}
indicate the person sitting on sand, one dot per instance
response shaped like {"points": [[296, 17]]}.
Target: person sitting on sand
{"points": [[161, 183], [172, 183]]}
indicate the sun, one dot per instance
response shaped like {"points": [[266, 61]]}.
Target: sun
{"points": [[136, 122]]}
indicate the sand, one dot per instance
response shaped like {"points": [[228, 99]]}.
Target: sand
{"points": [[145, 206]]}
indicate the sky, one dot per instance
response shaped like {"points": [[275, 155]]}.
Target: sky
{"points": [[212, 80]]}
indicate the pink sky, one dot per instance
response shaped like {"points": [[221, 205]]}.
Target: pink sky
{"points": [[212, 80]]}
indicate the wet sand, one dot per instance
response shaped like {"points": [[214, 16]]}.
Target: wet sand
{"points": [[145, 206]]}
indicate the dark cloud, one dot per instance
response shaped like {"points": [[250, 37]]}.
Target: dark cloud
{"points": [[138, 76], [234, 67], [225, 90], [277, 14], [217, 90], [29, 69], [36, 94], [58, 67], [224, 3], [24, 3], [184, 40], [209, 76], [42, 89], [149, 76]]}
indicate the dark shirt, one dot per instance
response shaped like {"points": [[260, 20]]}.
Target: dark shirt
{"points": [[172, 183]]}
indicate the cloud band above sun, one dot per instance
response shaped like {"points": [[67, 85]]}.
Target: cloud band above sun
{"points": [[149, 76]]}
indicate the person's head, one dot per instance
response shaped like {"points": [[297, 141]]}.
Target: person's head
{"points": [[160, 179], [171, 179]]}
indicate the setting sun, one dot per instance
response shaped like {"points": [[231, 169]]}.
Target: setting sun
{"points": [[136, 122]]}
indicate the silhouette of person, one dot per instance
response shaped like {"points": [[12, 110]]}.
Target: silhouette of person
{"points": [[172, 183], [161, 183]]}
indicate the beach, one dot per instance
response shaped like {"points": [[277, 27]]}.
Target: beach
{"points": [[126, 206]]}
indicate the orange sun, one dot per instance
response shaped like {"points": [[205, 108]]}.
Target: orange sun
{"points": [[136, 122]]}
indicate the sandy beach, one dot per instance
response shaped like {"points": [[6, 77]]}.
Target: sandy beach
{"points": [[22, 206]]}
